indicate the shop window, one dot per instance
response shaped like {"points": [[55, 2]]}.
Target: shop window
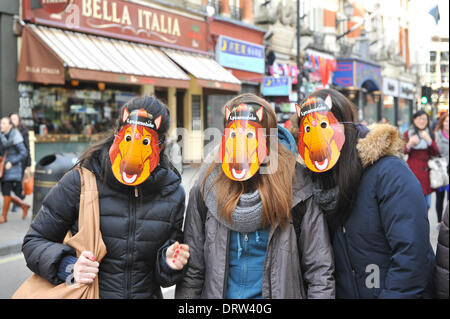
{"points": [[196, 113], [82, 110], [370, 108], [389, 108], [404, 114]]}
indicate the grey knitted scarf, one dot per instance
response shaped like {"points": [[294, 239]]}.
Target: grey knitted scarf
{"points": [[247, 217], [422, 145]]}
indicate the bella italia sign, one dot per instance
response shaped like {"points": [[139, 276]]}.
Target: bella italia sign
{"points": [[123, 20]]}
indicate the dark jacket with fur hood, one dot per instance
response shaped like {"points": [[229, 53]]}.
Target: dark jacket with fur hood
{"points": [[441, 274], [383, 250]]}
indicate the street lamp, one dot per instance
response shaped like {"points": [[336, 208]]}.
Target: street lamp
{"points": [[348, 9]]}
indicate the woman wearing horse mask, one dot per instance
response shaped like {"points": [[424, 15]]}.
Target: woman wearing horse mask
{"points": [[141, 204], [251, 224], [373, 203]]}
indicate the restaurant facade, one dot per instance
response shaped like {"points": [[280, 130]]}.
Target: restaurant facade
{"points": [[81, 60]]}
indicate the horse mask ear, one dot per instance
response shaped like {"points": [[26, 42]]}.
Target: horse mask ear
{"points": [[125, 114], [158, 122], [227, 112], [328, 102], [260, 113], [297, 108]]}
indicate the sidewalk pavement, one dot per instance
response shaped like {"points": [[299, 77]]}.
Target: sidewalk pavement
{"points": [[13, 232]]}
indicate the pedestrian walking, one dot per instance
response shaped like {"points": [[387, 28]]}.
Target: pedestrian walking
{"points": [[14, 152], [26, 163], [243, 225], [441, 274], [442, 136], [141, 204], [420, 147], [373, 203]]}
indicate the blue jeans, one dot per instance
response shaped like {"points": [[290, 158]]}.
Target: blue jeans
{"points": [[440, 196], [428, 199]]}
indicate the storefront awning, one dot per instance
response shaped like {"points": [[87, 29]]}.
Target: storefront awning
{"points": [[208, 73], [48, 52]]}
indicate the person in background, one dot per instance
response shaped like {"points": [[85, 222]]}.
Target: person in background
{"points": [[373, 203], [441, 275], [292, 126], [442, 134], [384, 120], [12, 143], [420, 147], [26, 141]]}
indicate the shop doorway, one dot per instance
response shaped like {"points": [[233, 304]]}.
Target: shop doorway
{"points": [[180, 109], [161, 94]]}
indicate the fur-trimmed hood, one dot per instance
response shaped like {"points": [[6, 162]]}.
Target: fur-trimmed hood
{"points": [[380, 141]]}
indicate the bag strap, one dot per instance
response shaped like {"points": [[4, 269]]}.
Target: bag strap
{"points": [[88, 180], [88, 194]]}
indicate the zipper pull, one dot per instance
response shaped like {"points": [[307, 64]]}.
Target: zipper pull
{"points": [[136, 192], [245, 237]]}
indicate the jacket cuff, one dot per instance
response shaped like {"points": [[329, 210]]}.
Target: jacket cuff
{"points": [[66, 267]]}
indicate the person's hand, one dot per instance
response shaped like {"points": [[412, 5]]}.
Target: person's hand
{"points": [[425, 136], [86, 268], [413, 141], [8, 166], [177, 256]]}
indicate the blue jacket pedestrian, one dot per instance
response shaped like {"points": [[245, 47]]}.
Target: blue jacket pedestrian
{"points": [[376, 212]]}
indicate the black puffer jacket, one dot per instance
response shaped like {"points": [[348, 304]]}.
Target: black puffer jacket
{"points": [[136, 230], [441, 274]]}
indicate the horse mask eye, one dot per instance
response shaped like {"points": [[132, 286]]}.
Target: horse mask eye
{"points": [[321, 136], [134, 153]]}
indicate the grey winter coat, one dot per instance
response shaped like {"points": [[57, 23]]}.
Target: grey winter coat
{"points": [[17, 153], [442, 144], [285, 275], [441, 274]]}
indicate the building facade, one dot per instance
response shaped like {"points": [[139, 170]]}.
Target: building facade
{"points": [[436, 73], [79, 63], [9, 96]]}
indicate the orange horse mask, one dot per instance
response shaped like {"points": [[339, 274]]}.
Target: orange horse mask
{"points": [[321, 136], [243, 146], [134, 153]]}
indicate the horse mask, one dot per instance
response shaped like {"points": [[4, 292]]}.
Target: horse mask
{"points": [[321, 136], [134, 153], [243, 146]]}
